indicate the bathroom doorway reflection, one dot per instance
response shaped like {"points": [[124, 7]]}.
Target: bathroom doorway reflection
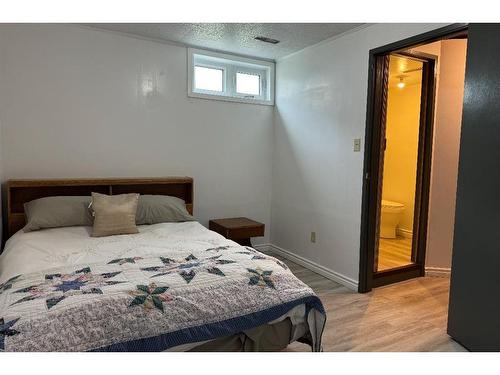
{"points": [[400, 163]]}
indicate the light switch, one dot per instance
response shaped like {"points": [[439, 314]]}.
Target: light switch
{"points": [[357, 144], [313, 237]]}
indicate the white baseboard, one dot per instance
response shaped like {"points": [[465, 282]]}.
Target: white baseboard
{"points": [[404, 233], [319, 269], [265, 247], [437, 272]]}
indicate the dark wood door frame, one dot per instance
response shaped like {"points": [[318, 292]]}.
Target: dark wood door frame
{"points": [[375, 123], [422, 183], [423, 180]]}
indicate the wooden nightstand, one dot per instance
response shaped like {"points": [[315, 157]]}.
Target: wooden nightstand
{"points": [[239, 229]]}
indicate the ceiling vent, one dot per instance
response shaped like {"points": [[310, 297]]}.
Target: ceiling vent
{"points": [[267, 40]]}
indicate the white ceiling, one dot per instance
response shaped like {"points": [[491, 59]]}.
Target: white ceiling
{"points": [[408, 69], [237, 37]]}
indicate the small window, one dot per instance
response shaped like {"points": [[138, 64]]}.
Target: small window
{"points": [[225, 77], [248, 84], [208, 79]]}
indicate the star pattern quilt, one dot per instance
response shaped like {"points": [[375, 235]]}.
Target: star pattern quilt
{"points": [[168, 286]]}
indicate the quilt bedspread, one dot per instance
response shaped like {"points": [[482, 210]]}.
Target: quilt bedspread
{"points": [[151, 302]]}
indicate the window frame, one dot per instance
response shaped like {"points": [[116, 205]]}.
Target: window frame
{"points": [[231, 65]]}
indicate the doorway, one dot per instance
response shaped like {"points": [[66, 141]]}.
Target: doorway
{"points": [[401, 169], [398, 159]]}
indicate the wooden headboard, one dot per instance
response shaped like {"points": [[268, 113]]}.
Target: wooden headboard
{"points": [[22, 191]]}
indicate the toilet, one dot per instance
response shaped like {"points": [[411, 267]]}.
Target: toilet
{"points": [[391, 213]]}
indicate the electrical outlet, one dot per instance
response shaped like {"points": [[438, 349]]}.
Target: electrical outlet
{"points": [[313, 237], [357, 145]]}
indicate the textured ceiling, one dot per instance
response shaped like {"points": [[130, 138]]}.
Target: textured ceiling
{"points": [[237, 37], [408, 69]]}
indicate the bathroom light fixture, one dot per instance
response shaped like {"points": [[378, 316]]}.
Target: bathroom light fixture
{"points": [[401, 83]]}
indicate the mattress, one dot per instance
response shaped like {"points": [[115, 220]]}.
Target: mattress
{"points": [[173, 286]]}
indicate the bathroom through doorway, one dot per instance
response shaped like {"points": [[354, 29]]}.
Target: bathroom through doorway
{"points": [[411, 157], [399, 162]]}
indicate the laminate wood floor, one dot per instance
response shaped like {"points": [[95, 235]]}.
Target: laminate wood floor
{"points": [[404, 317], [394, 252]]}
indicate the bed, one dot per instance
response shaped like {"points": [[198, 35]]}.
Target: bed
{"points": [[171, 287]]}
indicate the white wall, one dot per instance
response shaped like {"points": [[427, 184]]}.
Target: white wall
{"points": [[445, 152], [317, 178], [445, 149], [71, 106]]}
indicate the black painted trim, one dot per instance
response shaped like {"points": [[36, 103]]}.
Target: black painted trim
{"points": [[445, 32], [396, 275]]}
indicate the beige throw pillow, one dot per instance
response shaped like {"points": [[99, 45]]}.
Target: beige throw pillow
{"points": [[114, 214]]}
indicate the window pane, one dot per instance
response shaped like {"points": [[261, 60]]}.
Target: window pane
{"points": [[208, 78], [247, 84]]}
